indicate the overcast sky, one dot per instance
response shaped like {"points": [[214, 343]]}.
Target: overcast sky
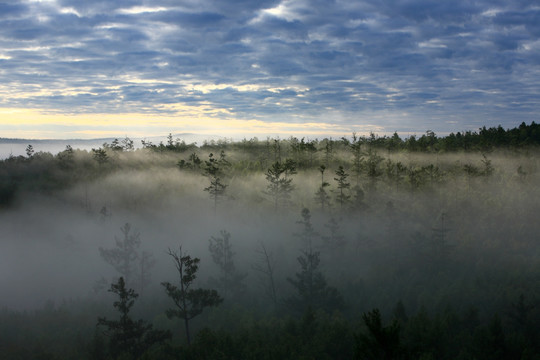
{"points": [[89, 68]]}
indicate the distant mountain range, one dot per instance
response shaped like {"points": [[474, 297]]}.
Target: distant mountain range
{"points": [[17, 147]]}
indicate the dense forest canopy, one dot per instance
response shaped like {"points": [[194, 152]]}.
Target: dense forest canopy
{"points": [[363, 246]]}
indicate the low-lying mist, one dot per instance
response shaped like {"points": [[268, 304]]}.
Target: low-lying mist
{"points": [[449, 229]]}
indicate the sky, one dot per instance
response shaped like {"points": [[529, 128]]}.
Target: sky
{"points": [[101, 68]]}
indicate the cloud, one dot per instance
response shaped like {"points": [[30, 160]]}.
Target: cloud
{"points": [[435, 60]]}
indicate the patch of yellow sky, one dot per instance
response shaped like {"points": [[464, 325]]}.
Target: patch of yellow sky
{"points": [[157, 120], [36, 124]]}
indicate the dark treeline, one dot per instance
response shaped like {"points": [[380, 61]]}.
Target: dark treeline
{"points": [[361, 247]]}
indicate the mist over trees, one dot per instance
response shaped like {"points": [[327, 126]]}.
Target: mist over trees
{"points": [[358, 247]]}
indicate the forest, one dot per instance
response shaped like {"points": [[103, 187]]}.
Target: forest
{"points": [[363, 247]]}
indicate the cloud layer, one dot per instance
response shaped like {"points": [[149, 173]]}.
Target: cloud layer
{"points": [[390, 65]]}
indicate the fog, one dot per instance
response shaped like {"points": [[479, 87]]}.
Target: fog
{"points": [[455, 238]]}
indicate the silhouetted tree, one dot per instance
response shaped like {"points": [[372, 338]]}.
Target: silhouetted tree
{"points": [[127, 144], [276, 146], [279, 186], [193, 162], [488, 167], [65, 158], [266, 267], [115, 145], [380, 342], [373, 170], [321, 196], [335, 239], [358, 157], [123, 257], [432, 173], [214, 172], [311, 287], [220, 248], [343, 185], [100, 155], [126, 259], [188, 302], [328, 151], [395, 172], [358, 203], [308, 234], [30, 151], [128, 338]]}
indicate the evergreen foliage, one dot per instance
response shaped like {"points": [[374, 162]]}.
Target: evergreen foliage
{"points": [[188, 302], [230, 280], [321, 196], [280, 186], [214, 172], [343, 185], [128, 338], [126, 259]]}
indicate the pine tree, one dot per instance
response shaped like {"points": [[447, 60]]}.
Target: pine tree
{"points": [[188, 302], [308, 234], [100, 155], [311, 287], [133, 266], [220, 248], [280, 186], [214, 172], [123, 257], [30, 151], [334, 240], [380, 342], [358, 157], [321, 196], [129, 338], [342, 186]]}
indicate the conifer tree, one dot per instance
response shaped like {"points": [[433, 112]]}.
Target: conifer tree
{"points": [[308, 234], [129, 339], [311, 287], [214, 172], [125, 258], [343, 185], [280, 186], [100, 155], [188, 302], [30, 151], [220, 248], [358, 157], [335, 239], [380, 342], [321, 196], [310, 284]]}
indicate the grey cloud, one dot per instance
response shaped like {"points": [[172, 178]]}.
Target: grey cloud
{"points": [[12, 10], [191, 20], [347, 54]]}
